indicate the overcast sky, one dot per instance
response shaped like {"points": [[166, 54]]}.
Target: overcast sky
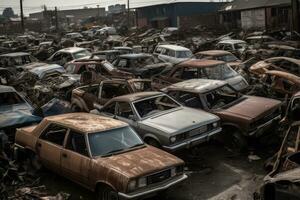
{"points": [[31, 6]]}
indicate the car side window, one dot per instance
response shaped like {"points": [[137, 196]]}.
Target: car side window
{"points": [[177, 73], [122, 63], [110, 108], [76, 142], [171, 53], [110, 90], [189, 73], [124, 110], [227, 47], [190, 100], [57, 57], [55, 134]]}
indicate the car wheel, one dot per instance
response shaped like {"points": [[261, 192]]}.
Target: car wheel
{"points": [[106, 193], [153, 142], [75, 108], [234, 140]]}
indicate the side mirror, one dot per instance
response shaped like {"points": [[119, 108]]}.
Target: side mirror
{"points": [[97, 106]]}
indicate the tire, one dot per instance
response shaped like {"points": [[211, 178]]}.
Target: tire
{"points": [[75, 108], [105, 192], [153, 142], [234, 140]]}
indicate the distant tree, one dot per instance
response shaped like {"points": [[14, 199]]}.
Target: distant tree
{"points": [[8, 12]]}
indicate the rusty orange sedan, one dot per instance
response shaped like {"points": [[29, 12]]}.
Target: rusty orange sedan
{"points": [[101, 154]]}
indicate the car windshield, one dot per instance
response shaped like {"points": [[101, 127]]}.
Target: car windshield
{"points": [[184, 54], [220, 72], [221, 97], [81, 54], [227, 58], [108, 66], [10, 98], [113, 141], [154, 105], [240, 46]]}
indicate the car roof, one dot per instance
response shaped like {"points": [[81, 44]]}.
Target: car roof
{"points": [[15, 54], [174, 47], [122, 48], [135, 55], [197, 85], [71, 49], [231, 41], [200, 63], [4, 88], [86, 122], [213, 53], [136, 96]]}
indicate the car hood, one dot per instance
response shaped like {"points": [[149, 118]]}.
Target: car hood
{"points": [[140, 162], [252, 107], [30, 66], [179, 120], [17, 115]]}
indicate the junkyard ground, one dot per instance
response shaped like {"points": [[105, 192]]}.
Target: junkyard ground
{"points": [[214, 173]]}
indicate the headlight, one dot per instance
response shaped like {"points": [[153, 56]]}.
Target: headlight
{"points": [[215, 124], [173, 172], [142, 182], [173, 139], [132, 185]]}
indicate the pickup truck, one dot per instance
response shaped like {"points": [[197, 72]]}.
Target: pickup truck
{"points": [[84, 98]]}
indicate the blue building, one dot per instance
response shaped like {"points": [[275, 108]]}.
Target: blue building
{"points": [[177, 13]]}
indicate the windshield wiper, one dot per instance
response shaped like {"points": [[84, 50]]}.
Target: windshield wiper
{"points": [[110, 153]]}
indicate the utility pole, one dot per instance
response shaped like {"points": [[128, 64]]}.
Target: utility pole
{"points": [[56, 19], [128, 14], [295, 15], [22, 16]]}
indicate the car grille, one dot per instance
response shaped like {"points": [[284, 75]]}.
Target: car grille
{"points": [[158, 177], [198, 131], [265, 119]]}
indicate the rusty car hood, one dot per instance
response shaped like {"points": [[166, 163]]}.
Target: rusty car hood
{"points": [[179, 120], [139, 162], [251, 107]]}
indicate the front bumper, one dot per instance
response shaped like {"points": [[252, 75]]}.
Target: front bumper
{"points": [[259, 131], [151, 191], [193, 141]]}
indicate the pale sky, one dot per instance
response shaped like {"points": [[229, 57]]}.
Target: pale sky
{"points": [[31, 6]]}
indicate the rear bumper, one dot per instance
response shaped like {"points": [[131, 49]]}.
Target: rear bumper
{"points": [[193, 141], [151, 191]]}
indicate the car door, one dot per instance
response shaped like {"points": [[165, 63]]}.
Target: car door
{"points": [[50, 145], [125, 113], [75, 158], [163, 55]]}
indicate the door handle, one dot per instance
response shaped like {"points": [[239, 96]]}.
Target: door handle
{"points": [[64, 155]]}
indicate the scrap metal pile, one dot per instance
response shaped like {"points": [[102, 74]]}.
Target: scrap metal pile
{"points": [[173, 89]]}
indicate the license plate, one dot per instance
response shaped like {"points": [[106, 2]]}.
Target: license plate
{"points": [[198, 131]]}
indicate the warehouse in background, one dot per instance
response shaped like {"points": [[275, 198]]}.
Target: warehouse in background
{"points": [[178, 13], [257, 14]]}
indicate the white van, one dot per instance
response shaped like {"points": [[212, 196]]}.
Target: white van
{"points": [[172, 53]]}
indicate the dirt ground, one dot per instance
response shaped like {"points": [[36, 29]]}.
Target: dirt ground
{"points": [[214, 174]]}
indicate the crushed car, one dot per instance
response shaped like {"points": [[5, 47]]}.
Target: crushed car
{"points": [[102, 154], [84, 97], [203, 69], [161, 121], [141, 64]]}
